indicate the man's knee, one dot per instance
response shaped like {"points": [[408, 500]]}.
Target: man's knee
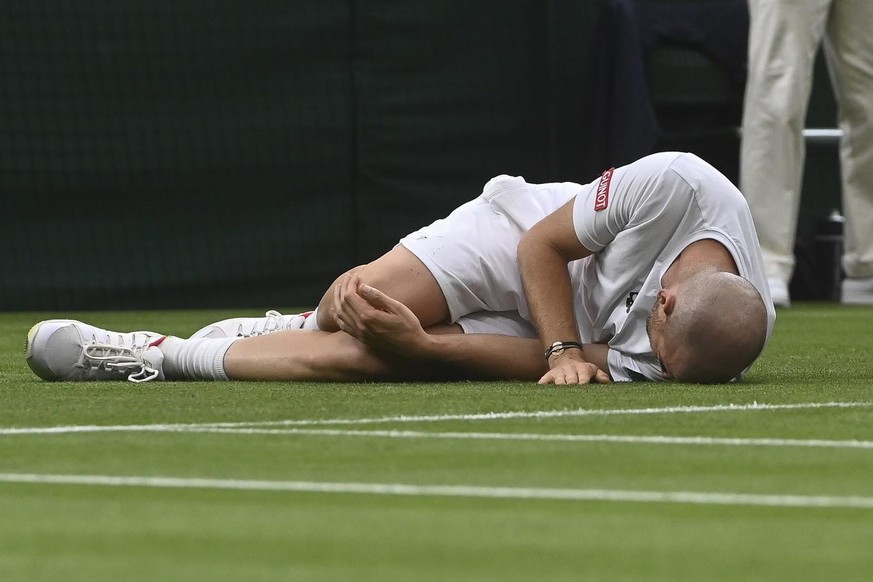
{"points": [[402, 276], [324, 314]]}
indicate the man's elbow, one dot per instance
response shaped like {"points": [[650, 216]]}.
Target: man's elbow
{"points": [[533, 246]]}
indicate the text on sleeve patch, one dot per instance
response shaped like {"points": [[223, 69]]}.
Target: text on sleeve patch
{"points": [[601, 200]]}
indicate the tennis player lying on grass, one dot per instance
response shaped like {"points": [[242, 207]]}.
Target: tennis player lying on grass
{"points": [[652, 272]]}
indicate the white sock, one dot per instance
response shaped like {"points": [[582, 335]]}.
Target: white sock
{"points": [[195, 359], [311, 321]]}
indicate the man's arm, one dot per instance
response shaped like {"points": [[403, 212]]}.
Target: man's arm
{"points": [[543, 255], [388, 327], [499, 356]]}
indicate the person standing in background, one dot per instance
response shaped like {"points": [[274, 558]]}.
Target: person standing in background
{"points": [[784, 37]]}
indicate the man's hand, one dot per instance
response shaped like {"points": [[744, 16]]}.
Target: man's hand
{"points": [[375, 319], [571, 368]]}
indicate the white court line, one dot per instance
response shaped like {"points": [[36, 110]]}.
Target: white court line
{"points": [[398, 489], [566, 438], [579, 412]]}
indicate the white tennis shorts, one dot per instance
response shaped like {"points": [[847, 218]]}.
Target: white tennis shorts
{"points": [[473, 253]]}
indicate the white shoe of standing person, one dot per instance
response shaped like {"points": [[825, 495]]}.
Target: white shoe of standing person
{"points": [[857, 291], [779, 292]]}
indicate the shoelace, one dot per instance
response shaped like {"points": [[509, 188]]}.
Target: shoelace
{"points": [[122, 359], [273, 322]]}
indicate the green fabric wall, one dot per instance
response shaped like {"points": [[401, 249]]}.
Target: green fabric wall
{"points": [[202, 153]]}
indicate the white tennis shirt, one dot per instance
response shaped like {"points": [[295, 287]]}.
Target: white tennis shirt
{"points": [[636, 219]]}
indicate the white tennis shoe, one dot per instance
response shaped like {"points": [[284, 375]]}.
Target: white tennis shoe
{"points": [[272, 321], [779, 292], [857, 291], [65, 349]]}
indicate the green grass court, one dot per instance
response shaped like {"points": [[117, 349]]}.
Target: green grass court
{"points": [[768, 480]]}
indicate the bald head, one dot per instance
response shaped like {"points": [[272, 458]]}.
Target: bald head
{"points": [[717, 329]]}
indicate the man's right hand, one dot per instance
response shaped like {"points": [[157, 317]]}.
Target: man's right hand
{"points": [[571, 368]]}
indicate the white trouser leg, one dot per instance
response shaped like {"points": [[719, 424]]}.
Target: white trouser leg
{"points": [[849, 51], [783, 40]]}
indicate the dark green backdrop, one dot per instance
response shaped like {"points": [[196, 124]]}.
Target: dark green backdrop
{"points": [[242, 153]]}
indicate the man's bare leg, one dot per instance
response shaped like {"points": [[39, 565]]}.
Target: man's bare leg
{"points": [[401, 275], [304, 355], [318, 356]]}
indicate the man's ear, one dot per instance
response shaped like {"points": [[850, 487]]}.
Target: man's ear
{"points": [[667, 299]]}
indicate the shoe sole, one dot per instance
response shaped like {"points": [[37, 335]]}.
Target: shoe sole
{"points": [[28, 350], [29, 341]]}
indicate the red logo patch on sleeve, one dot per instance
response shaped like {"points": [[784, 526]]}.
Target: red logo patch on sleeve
{"points": [[601, 200]]}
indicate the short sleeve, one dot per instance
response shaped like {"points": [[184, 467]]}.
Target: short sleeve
{"points": [[598, 216], [644, 195]]}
